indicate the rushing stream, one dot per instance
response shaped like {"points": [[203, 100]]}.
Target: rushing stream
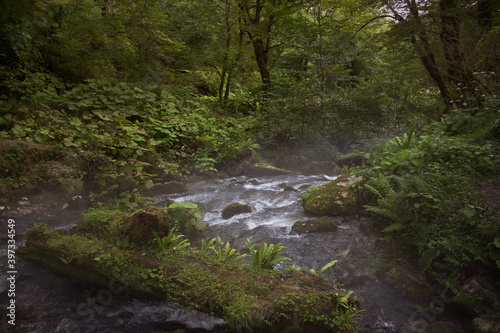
{"points": [[49, 303]]}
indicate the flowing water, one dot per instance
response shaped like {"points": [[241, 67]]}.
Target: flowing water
{"points": [[49, 303]]}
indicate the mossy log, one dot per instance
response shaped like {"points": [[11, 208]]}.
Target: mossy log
{"points": [[266, 171], [246, 298]]}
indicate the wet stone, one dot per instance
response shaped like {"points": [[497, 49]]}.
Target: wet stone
{"points": [[235, 209], [322, 224]]}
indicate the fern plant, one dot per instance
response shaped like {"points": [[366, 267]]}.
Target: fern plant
{"points": [[268, 255], [404, 142], [389, 205], [226, 252], [205, 246], [173, 241]]}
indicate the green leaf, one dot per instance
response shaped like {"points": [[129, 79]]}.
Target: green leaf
{"points": [[188, 205], [497, 242], [324, 268], [469, 213]]}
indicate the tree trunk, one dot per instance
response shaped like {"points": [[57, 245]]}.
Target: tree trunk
{"points": [[260, 45], [421, 42], [457, 69], [261, 56], [225, 64], [231, 72]]}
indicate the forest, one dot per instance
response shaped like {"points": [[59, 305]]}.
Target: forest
{"points": [[122, 93]]}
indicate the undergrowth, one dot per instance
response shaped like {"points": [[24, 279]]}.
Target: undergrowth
{"points": [[426, 185]]}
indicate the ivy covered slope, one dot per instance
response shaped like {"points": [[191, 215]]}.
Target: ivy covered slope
{"points": [[144, 252], [116, 134], [437, 190]]}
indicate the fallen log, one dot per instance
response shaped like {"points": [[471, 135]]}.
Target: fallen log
{"points": [[246, 298]]}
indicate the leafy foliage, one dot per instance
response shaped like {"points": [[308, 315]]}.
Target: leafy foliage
{"points": [[225, 253], [171, 242], [422, 185]]}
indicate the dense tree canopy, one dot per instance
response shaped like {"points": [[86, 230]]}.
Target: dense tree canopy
{"points": [[321, 71]]}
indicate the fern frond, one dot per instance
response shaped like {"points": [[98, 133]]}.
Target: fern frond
{"points": [[373, 191], [384, 212], [427, 257], [394, 227], [379, 186]]}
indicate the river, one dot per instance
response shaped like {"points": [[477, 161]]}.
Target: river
{"points": [[49, 303]]}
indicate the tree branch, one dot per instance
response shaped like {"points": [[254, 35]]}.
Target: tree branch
{"points": [[373, 19]]}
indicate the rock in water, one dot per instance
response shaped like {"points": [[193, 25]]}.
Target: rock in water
{"points": [[235, 209], [322, 224], [334, 198]]}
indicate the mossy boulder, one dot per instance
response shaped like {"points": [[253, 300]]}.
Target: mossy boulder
{"points": [[239, 165], [235, 209], [351, 160], [479, 297], [188, 216], [334, 198], [322, 224], [140, 226], [329, 168]]}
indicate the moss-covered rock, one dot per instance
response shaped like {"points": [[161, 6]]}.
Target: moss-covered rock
{"points": [[27, 167], [187, 216], [141, 225], [334, 198], [239, 165], [235, 209], [166, 188], [322, 224]]}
